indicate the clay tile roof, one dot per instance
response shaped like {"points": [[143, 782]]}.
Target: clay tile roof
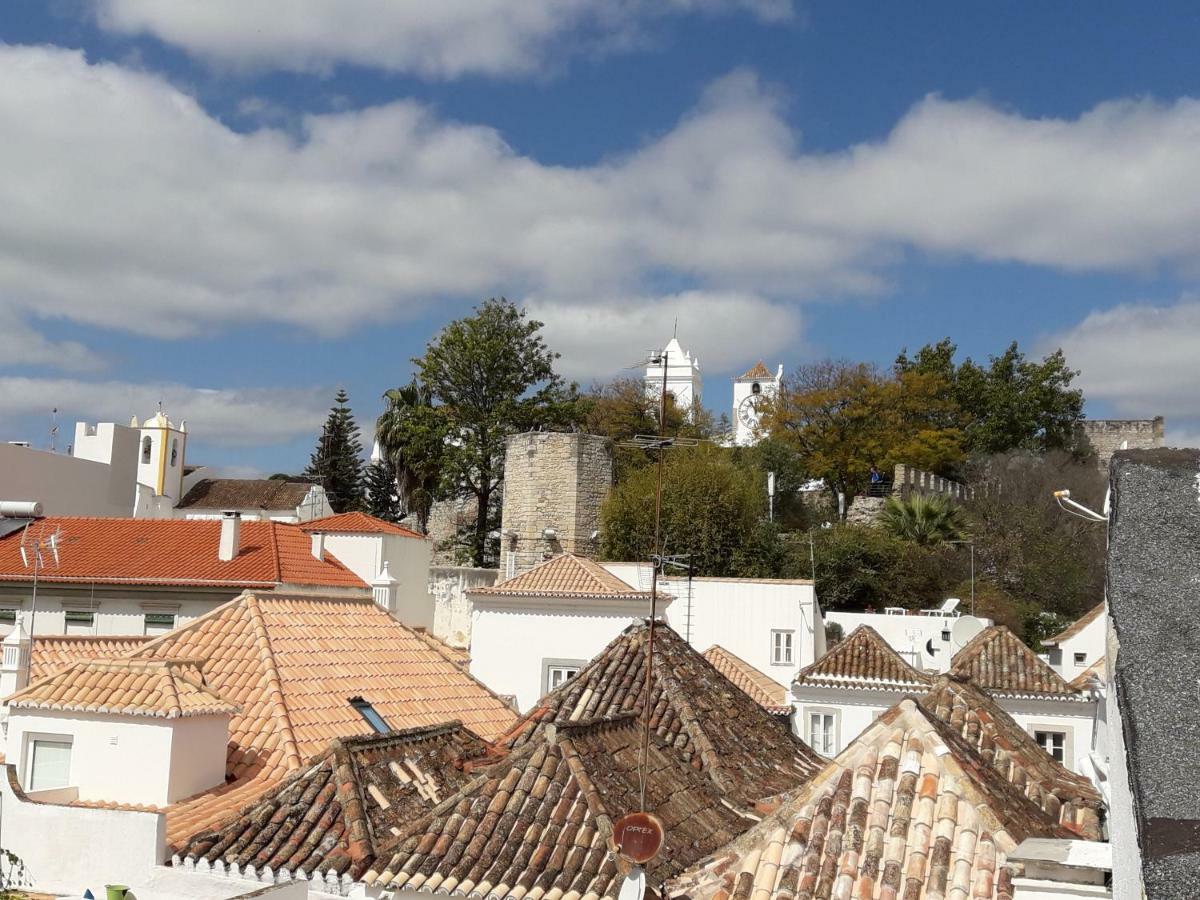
{"points": [[747, 752], [1077, 626], [1071, 799], [997, 661], [50, 653], [292, 663], [907, 810], [358, 523], [864, 660], [564, 575], [245, 493], [174, 552], [761, 688], [330, 815], [758, 371], [1083, 680], [163, 688], [540, 824]]}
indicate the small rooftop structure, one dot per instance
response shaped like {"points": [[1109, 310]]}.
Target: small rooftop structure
{"points": [[998, 661], [565, 575], [266, 494], [862, 660]]}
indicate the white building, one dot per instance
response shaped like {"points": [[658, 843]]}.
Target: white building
{"points": [[1079, 646], [751, 390], [254, 498], [684, 384], [927, 638]]}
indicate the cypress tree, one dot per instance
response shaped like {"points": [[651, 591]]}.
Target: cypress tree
{"points": [[336, 463], [383, 500]]}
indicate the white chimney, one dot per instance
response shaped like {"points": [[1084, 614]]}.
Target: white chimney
{"points": [[14, 670], [231, 535], [383, 588], [318, 545]]}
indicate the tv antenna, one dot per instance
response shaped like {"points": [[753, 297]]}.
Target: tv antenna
{"points": [[54, 430], [33, 552]]}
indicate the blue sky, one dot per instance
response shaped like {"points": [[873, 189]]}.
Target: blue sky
{"points": [[239, 207]]}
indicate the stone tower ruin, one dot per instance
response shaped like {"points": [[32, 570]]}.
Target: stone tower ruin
{"points": [[554, 484]]}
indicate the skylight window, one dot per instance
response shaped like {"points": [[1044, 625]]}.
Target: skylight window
{"points": [[367, 711]]}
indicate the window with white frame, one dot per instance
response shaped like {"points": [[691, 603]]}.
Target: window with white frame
{"points": [[159, 623], [781, 648], [822, 731], [556, 672], [79, 621], [49, 763], [1053, 742]]}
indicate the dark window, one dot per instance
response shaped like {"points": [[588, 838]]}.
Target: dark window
{"points": [[8, 616], [756, 388], [1053, 742], [146, 449], [1080, 659], [159, 623], [79, 617], [174, 451], [367, 711]]}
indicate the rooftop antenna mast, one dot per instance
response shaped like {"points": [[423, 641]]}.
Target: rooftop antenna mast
{"points": [[34, 550], [54, 430]]}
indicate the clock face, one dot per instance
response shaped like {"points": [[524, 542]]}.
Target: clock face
{"points": [[748, 410]]}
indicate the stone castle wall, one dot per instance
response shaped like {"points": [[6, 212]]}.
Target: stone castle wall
{"points": [[557, 481], [447, 519], [448, 585], [1107, 436]]}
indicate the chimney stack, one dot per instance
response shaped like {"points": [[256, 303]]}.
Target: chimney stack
{"points": [[231, 535], [318, 545]]}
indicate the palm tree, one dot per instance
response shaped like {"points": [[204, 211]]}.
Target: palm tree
{"points": [[925, 520], [412, 442]]}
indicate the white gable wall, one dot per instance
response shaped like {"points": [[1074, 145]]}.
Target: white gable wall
{"points": [[1089, 642], [408, 560], [853, 709]]}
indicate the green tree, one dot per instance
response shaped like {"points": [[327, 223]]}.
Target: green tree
{"points": [[413, 437], [843, 418], [336, 463], [709, 507], [383, 500], [1010, 403], [490, 375], [923, 519]]}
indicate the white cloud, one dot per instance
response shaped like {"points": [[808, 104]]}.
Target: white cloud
{"points": [[226, 417], [441, 39], [1142, 360], [600, 338], [137, 210]]}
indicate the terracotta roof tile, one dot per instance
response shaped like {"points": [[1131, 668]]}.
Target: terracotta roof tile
{"points": [[332, 814], [162, 688], [907, 810], [358, 523], [50, 653], [1011, 751], [1077, 626], [174, 552], [564, 575], [997, 661], [292, 662], [245, 493], [747, 752], [761, 688], [758, 370], [1083, 680], [540, 823], [864, 659]]}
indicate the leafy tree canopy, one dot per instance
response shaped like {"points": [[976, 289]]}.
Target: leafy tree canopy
{"points": [[413, 436]]}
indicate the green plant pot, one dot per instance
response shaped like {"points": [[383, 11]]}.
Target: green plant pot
{"points": [[116, 891]]}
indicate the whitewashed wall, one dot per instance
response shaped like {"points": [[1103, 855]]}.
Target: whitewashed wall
{"points": [[511, 638], [1089, 642], [853, 709], [408, 561], [1075, 718], [118, 610], [740, 614], [66, 486], [127, 759], [451, 607], [908, 635]]}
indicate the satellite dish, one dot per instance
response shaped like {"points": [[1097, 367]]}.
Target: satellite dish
{"points": [[965, 628], [639, 836], [633, 887]]}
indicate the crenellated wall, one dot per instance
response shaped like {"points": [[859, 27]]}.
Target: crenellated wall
{"points": [[1107, 436]]}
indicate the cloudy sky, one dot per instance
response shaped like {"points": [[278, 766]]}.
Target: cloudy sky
{"points": [[239, 207]]}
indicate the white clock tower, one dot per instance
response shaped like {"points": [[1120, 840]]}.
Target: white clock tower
{"points": [[749, 392]]}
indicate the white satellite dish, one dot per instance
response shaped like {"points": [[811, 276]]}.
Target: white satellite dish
{"points": [[634, 885], [964, 628]]}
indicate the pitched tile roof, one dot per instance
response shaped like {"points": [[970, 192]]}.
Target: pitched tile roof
{"points": [[1071, 799], [292, 662], [747, 752], [161, 688], [180, 552], [907, 810], [358, 523], [862, 660], [333, 813], [758, 370], [245, 493], [565, 575], [50, 653], [1077, 626], [761, 688], [998, 661], [1083, 680], [540, 824]]}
